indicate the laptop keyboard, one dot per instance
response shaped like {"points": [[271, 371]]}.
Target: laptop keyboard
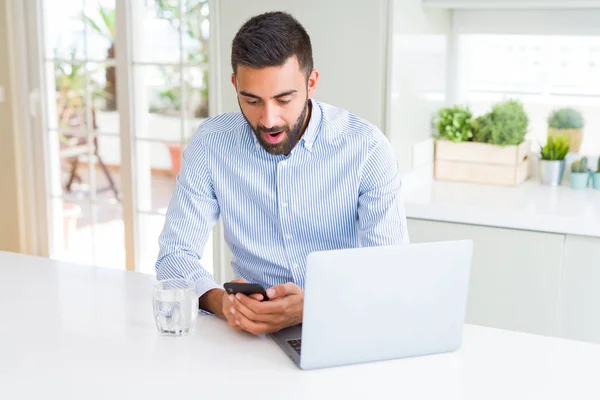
{"points": [[296, 344]]}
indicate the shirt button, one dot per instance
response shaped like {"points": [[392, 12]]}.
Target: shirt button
{"points": [[295, 265], [283, 163], [256, 145], [284, 204], [288, 236]]}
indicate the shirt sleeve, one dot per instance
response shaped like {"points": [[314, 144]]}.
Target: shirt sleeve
{"points": [[381, 215], [190, 217]]}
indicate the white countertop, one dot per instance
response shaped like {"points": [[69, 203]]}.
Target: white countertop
{"points": [[530, 206], [79, 332]]}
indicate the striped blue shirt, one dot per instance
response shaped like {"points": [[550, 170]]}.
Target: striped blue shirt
{"points": [[338, 188]]}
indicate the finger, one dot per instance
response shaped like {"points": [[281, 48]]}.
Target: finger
{"points": [[257, 296], [260, 307], [231, 322], [277, 306], [283, 290], [256, 328], [248, 301], [227, 304], [230, 318], [239, 307]]}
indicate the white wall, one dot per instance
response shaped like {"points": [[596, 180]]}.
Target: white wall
{"points": [[551, 31], [418, 75], [496, 4], [349, 49], [528, 22]]}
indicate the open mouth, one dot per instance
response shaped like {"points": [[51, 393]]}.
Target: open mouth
{"points": [[273, 138]]}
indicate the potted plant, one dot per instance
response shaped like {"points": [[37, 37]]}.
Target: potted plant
{"points": [[490, 149], [596, 176], [175, 151], [505, 125], [567, 122], [580, 175], [454, 123], [552, 163]]}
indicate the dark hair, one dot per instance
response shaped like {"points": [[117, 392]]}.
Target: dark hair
{"points": [[268, 40]]}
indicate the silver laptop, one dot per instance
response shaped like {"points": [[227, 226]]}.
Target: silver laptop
{"points": [[380, 303]]}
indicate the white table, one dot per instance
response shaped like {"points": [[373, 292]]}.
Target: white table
{"points": [[75, 331]]}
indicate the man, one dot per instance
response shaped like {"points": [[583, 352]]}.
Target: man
{"points": [[288, 175]]}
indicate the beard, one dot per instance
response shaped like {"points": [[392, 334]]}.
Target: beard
{"points": [[291, 134]]}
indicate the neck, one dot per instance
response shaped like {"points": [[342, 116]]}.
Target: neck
{"points": [[306, 119], [304, 126]]}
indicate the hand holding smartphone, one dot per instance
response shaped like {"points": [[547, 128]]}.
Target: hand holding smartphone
{"points": [[245, 288]]}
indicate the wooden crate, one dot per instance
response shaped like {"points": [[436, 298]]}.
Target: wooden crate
{"points": [[481, 163]]}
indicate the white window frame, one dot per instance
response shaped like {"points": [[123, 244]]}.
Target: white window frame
{"points": [[28, 64], [571, 22]]}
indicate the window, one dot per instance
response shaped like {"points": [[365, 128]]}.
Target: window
{"points": [[545, 72], [166, 59]]}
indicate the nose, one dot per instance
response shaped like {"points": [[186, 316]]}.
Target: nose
{"points": [[270, 116]]}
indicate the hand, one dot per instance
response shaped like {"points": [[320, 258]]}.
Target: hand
{"points": [[227, 305], [284, 309]]}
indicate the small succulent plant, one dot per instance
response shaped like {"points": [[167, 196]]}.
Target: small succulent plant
{"points": [[580, 166], [555, 148]]}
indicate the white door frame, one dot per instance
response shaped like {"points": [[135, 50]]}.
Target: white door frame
{"points": [[221, 253], [28, 62], [24, 31]]}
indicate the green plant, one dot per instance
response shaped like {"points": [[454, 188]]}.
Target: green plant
{"points": [[70, 83], [580, 166], [505, 125], [598, 167], [103, 22], [192, 15], [171, 98], [70, 78], [565, 118], [556, 148], [454, 123]]}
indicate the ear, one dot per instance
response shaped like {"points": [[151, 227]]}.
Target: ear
{"points": [[233, 82], [312, 83]]}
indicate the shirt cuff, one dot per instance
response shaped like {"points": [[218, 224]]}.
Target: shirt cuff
{"points": [[202, 286]]}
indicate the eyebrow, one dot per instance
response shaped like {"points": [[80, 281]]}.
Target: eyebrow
{"points": [[274, 97]]}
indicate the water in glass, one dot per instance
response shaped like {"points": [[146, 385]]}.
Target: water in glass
{"points": [[175, 307]]}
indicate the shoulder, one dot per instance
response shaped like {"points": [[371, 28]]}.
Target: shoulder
{"points": [[343, 124], [220, 130], [223, 124]]}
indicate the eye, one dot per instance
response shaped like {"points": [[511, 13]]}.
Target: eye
{"points": [[252, 102], [284, 101]]}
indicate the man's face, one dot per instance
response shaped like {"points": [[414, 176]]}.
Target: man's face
{"points": [[274, 101]]}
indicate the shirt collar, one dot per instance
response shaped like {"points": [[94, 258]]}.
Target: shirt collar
{"points": [[314, 124], [311, 132]]}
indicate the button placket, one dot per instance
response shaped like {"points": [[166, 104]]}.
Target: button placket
{"points": [[284, 222]]}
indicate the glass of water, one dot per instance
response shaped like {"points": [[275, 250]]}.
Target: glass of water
{"points": [[175, 307]]}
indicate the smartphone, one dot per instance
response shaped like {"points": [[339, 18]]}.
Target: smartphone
{"points": [[245, 288]]}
